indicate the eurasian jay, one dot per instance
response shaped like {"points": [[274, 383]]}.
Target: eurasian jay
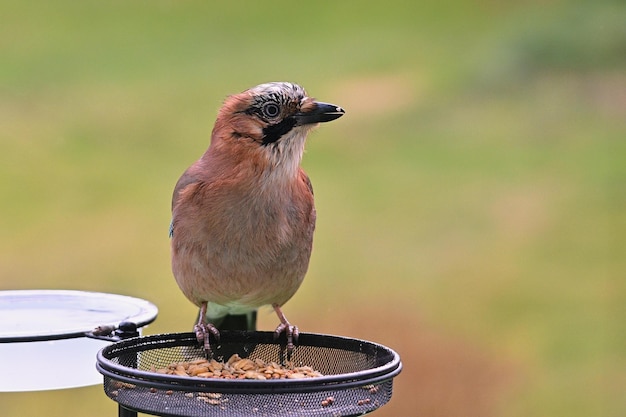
{"points": [[243, 215]]}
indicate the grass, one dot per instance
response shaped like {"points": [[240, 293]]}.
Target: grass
{"points": [[470, 204]]}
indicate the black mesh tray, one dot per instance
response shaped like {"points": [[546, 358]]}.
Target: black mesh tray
{"points": [[357, 376]]}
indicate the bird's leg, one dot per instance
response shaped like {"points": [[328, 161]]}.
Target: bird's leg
{"points": [[290, 330], [204, 330]]}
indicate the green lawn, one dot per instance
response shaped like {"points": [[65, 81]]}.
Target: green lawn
{"points": [[470, 203]]}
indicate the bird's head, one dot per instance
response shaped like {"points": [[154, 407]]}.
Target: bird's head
{"points": [[270, 120]]}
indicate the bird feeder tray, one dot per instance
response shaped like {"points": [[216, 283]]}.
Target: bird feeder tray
{"points": [[356, 379]]}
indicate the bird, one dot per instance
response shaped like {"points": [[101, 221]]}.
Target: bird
{"points": [[243, 215]]}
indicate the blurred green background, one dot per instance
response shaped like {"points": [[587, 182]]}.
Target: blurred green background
{"points": [[470, 203]]}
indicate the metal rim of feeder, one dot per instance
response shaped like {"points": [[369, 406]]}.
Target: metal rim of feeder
{"points": [[384, 372]]}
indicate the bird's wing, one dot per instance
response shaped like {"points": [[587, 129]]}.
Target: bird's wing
{"points": [[306, 180], [188, 177], [313, 214]]}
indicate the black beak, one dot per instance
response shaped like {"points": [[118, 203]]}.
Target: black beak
{"points": [[323, 112]]}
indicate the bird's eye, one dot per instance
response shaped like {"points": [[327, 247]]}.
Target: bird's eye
{"points": [[271, 110]]}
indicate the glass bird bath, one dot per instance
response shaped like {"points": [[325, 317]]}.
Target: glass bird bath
{"points": [[356, 376]]}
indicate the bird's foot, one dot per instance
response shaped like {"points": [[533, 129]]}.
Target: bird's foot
{"points": [[203, 332], [291, 331]]}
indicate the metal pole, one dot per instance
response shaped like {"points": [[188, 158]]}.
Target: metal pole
{"points": [[125, 412], [126, 330]]}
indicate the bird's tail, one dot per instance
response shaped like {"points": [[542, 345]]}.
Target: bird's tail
{"points": [[237, 322], [234, 321]]}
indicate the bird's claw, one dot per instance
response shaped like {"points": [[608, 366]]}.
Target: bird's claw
{"points": [[203, 332], [291, 332]]}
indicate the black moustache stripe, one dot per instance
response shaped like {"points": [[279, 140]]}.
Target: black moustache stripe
{"points": [[273, 133]]}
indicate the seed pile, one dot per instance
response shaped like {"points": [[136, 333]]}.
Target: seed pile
{"points": [[237, 368]]}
